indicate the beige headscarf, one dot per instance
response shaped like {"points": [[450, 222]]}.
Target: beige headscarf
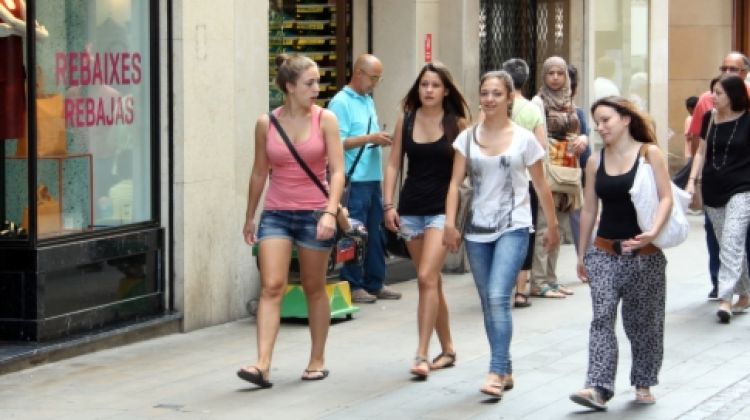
{"points": [[555, 99]]}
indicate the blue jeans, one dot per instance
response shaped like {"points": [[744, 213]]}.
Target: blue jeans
{"points": [[495, 266], [366, 205]]}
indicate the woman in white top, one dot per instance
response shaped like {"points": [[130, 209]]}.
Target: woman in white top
{"points": [[499, 218]]}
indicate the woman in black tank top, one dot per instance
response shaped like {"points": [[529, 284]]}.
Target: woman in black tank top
{"points": [[623, 264], [434, 113]]}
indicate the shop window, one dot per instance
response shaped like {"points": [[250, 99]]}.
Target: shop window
{"points": [[621, 50], [93, 123], [319, 29]]}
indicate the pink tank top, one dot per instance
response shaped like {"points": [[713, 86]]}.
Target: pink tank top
{"points": [[290, 187]]}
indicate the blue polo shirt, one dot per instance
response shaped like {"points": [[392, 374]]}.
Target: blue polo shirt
{"points": [[353, 112]]}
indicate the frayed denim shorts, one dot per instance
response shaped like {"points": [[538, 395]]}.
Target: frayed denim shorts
{"points": [[298, 226], [413, 227]]}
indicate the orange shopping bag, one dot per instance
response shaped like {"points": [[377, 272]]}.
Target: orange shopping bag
{"points": [[50, 131], [48, 213]]}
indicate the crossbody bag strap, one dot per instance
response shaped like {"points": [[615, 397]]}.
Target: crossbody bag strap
{"points": [[359, 156], [296, 155], [471, 137]]}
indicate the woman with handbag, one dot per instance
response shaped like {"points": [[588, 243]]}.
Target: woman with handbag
{"points": [[434, 113], [564, 144], [498, 221], [721, 167], [295, 210], [623, 264]]}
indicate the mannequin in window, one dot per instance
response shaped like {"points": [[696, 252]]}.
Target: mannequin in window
{"points": [[12, 91]]}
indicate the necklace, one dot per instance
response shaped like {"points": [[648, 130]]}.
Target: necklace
{"points": [[726, 148]]}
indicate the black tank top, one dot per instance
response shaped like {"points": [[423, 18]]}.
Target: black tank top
{"points": [[427, 176], [618, 219]]}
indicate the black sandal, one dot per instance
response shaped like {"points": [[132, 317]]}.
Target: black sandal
{"points": [[254, 376], [450, 356], [521, 303]]}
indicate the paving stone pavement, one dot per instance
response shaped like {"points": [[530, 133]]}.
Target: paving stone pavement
{"points": [[706, 370]]}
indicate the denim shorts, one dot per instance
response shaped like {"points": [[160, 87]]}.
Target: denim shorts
{"points": [[298, 226], [414, 226]]}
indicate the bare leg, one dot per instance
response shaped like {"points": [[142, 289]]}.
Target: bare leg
{"points": [[313, 275], [274, 256], [522, 284], [429, 255]]}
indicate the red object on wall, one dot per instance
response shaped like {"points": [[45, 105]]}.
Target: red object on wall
{"points": [[428, 48]]}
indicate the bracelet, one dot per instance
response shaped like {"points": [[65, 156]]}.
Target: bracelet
{"points": [[387, 206], [329, 212]]}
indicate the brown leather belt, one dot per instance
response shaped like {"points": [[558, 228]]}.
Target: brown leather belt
{"points": [[614, 247]]}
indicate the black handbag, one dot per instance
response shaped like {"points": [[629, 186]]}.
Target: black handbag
{"points": [[395, 244]]}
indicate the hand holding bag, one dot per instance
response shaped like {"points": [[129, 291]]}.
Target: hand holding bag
{"points": [[395, 244], [466, 189], [564, 180], [645, 199]]}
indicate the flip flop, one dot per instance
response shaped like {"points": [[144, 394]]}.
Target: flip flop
{"points": [[589, 398], [449, 356], [254, 377], [317, 374], [644, 396], [493, 389]]}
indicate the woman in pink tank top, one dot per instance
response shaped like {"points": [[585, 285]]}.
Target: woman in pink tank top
{"points": [[295, 211]]}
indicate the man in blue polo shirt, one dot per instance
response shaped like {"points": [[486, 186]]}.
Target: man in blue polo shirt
{"points": [[360, 130]]}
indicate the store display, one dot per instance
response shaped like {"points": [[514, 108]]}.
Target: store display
{"points": [[48, 213], [308, 27]]}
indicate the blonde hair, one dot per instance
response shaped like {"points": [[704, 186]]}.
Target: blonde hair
{"points": [[290, 68]]}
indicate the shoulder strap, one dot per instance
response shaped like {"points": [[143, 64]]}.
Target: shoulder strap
{"points": [[407, 125], [296, 155], [359, 156], [470, 137], [710, 123]]}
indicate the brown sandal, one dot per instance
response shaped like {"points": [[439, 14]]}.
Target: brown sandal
{"points": [[449, 357]]}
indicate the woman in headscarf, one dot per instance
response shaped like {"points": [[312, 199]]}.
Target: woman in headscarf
{"points": [[564, 145]]}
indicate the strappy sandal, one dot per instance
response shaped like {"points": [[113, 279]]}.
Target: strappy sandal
{"points": [[493, 389], [417, 369], [564, 290], [589, 398], [548, 292], [644, 396], [449, 357], [521, 300]]}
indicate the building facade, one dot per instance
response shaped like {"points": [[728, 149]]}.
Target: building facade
{"points": [[137, 215]]}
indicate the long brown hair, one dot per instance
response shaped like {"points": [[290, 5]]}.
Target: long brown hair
{"points": [[641, 125], [454, 104]]}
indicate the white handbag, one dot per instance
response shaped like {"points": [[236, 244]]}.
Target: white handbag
{"points": [[645, 199]]}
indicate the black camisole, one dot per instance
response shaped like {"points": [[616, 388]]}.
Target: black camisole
{"points": [[618, 219]]}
